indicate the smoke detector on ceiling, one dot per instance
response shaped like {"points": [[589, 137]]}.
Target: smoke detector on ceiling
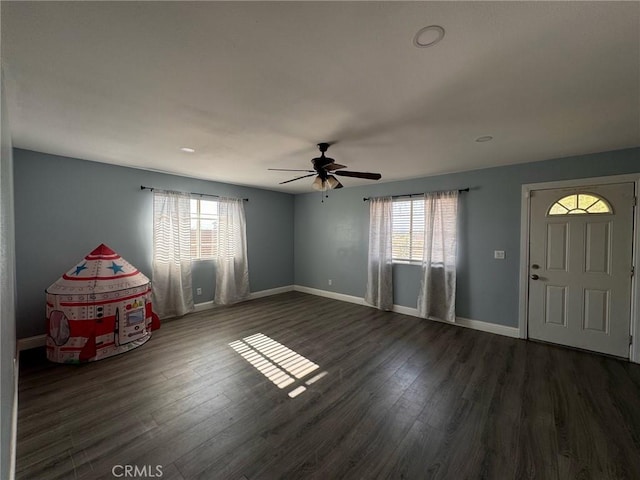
{"points": [[428, 36]]}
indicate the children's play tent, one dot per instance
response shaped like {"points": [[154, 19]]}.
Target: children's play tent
{"points": [[99, 308]]}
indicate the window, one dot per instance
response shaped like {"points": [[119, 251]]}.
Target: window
{"points": [[580, 204], [407, 237], [408, 230], [204, 229]]}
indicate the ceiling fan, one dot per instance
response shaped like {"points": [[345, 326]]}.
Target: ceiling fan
{"points": [[324, 168]]}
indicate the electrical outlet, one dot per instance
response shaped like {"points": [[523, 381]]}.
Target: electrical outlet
{"points": [[498, 254], [198, 291], [330, 282]]}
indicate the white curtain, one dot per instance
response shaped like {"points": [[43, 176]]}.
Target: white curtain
{"points": [[379, 275], [232, 269], [171, 282], [437, 295]]}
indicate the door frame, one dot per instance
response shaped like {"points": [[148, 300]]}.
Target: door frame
{"points": [[525, 218]]}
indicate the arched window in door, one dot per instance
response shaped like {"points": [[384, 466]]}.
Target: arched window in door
{"points": [[580, 204]]}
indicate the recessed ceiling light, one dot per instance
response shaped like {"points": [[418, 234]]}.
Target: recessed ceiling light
{"points": [[187, 150], [428, 36], [486, 138]]}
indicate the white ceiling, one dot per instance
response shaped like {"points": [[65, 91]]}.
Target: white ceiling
{"points": [[253, 86]]}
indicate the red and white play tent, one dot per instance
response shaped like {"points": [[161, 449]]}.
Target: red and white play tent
{"points": [[99, 308]]}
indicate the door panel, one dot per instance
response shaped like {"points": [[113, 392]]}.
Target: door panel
{"points": [[580, 295], [557, 246], [596, 310], [598, 252], [556, 311]]}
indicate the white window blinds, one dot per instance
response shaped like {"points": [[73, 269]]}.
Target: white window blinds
{"points": [[408, 234], [204, 228], [408, 230]]}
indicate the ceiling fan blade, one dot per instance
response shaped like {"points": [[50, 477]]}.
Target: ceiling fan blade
{"points": [[367, 175], [334, 166], [289, 170], [298, 178]]}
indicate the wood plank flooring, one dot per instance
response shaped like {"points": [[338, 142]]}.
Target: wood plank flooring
{"points": [[402, 398]]}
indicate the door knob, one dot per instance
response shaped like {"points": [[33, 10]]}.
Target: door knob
{"points": [[535, 266], [534, 277]]}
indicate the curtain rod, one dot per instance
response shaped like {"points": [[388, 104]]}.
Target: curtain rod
{"points": [[142, 187], [415, 194]]}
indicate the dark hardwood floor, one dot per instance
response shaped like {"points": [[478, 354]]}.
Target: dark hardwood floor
{"points": [[402, 398]]}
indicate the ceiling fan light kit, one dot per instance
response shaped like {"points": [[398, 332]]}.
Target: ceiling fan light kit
{"points": [[333, 182], [325, 169], [318, 184]]}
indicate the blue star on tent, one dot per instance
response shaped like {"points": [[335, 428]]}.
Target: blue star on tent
{"points": [[115, 267], [79, 268]]}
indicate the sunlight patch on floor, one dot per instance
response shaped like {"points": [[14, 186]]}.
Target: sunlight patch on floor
{"points": [[315, 378], [278, 363]]}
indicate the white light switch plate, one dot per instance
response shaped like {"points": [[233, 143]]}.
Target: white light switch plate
{"points": [[498, 254]]}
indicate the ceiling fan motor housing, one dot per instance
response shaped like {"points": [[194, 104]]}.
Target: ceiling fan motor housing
{"points": [[320, 162]]}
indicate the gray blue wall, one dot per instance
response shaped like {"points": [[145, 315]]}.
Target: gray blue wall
{"points": [[7, 291], [331, 238], [66, 207]]}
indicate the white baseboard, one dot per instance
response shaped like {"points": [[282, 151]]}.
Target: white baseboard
{"points": [[334, 295], [504, 330], [413, 312], [271, 291], [514, 332], [31, 342], [199, 307]]}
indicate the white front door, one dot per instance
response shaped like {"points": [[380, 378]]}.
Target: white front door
{"points": [[580, 267]]}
